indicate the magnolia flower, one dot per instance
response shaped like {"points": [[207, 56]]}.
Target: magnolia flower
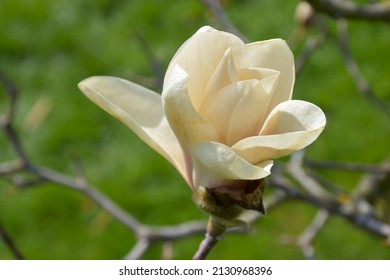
{"points": [[224, 114]]}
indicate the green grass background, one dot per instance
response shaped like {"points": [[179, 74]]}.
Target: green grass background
{"points": [[48, 46]]}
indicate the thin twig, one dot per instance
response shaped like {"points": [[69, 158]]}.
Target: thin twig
{"points": [[9, 130], [148, 233], [354, 70], [139, 249], [348, 9], [205, 247], [215, 230], [90, 191], [12, 92], [10, 243], [219, 13], [175, 232], [156, 64], [11, 167], [310, 46], [367, 222], [349, 166], [296, 170], [306, 239]]}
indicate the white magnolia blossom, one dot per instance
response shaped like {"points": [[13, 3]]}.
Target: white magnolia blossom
{"points": [[225, 111]]}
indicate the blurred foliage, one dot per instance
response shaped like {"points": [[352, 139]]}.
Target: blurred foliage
{"points": [[48, 46]]}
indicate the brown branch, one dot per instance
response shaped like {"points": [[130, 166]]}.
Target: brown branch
{"points": [[367, 222], [350, 10], [146, 234], [10, 243]]}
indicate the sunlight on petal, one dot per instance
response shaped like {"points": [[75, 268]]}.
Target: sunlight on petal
{"points": [[199, 56], [273, 54], [185, 121], [214, 163], [291, 126], [140, 109]]}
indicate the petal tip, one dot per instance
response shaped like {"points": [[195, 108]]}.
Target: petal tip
{"points": [[205, 28]]}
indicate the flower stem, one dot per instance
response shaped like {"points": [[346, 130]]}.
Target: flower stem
{"points": [[214, 231]]}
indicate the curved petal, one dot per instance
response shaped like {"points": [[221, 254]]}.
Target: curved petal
{"points": [[141, 110], [274, 54], [199, 56], [249, 113], [216, 164], [291, 126], [294, 115], [219, 110], [188, 126], [224, 75]]}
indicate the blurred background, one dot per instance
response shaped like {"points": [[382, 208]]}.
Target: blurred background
{"points": [[48, 46]]}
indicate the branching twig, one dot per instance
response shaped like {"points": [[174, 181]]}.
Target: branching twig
{"points": [[348, 9], [296, 170], [305, 240], [367, 222], [354, 71], [306, 186], [146, 234]]}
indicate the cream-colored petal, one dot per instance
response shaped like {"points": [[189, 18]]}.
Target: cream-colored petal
{"points": [[141, 110], [188, 126], [249, 113], [219, 109], [268, 77], [215, 164], [291, 126], [199, 56], [292, 116], [274, 54], [224, 75]]}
